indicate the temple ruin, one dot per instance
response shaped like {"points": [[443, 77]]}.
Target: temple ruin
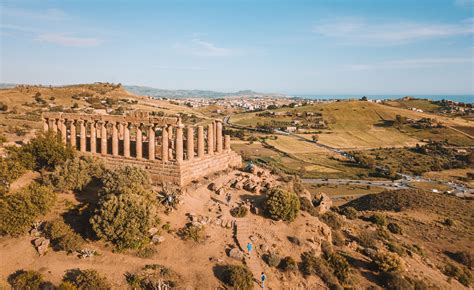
{"points": [[161, 145]]}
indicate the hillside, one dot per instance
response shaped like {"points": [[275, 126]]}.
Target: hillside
{"points": [[363, 125], [154, 92]]}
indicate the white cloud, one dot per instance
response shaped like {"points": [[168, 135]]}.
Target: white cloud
{"points": [[200, 47], [354, 30], [408, 64], [65, 40]]}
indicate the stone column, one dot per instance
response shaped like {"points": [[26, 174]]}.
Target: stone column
{"points": [[214, 129], [210, 139], [151, 142], [219, 136], [126, 140], [139, 141], [115, 140], [73, 138], [53, 126], [45, 124], [164, 144], [103, 138], [82, 136], [179, 143], [190, 143], [63, 130], [121, 130], [93, 137], [227, 142], [200, 141]]}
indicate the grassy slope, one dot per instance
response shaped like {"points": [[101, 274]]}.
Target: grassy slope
{"points": [[360, 125]]}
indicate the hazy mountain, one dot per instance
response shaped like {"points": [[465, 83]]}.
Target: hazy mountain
{"points": [[154, 92]]}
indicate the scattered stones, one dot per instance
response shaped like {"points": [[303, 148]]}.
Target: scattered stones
{"points": [[237, 254], [41, 244], [87, 253], [152, 231], [253, 238], [157, 239]]}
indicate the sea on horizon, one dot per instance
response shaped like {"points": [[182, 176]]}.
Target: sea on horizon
{"points": [[455, 98]]}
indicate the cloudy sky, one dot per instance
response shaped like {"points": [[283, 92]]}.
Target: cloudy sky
{"points": [[296, 47]]}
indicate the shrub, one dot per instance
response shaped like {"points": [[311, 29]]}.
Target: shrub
{"points": [[387, 262], [10, 170], [76, 173], [312, 265], [307, 206], [238, 277], [239, 211], [146, 252], [378, 219], [349, 212], [341, 268], [66, 286], [22, 279], [465, 258], [333, 220], [463, 275], [394, 228], [288, 264], [86, 279], [47, 150], [394, 247], [124, 220], [282, 205], [18, 211], [272, 259], [62, 236], [153, 277], [192, 232], [448, 222], [125, 180]]}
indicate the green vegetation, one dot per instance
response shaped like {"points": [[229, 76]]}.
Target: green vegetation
{"points": [[237, 276], [22, 279], [62, 236], [126, 209], [86, 279], [333, 220], [75, 174], [192, 232], [239, 211], [387, 262], [18, 211], [462, 274], [282, 205], [153, 277]]}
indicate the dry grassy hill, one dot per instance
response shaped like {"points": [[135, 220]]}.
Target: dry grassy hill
{"points": [[363, 125]]}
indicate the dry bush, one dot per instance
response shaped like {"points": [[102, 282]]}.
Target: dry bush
{"points": [[272, 259], [349, 212], [288, 264], [62, 236], [378, 219], [22, 279], [86, 279], [237, 276], [387, 262], [312, 265], [333, 220], [394, 228], [153, 277], [282, 205], [18, 211], [239, 211], [192, 232]]}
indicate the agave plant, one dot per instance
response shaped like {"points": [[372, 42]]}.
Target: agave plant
{"points": [[169, 197]]}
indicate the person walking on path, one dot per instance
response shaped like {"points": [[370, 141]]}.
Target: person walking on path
{"points": [[249, 247], [263, 277]]}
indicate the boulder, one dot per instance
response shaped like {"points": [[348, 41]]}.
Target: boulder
{"points": [[322, 203], [152, 231], [237, 254], [157, 239], [212, 186]]}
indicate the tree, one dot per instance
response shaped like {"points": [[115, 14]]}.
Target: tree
{"points": [[125, 180], [124, 220], [282, 205]]}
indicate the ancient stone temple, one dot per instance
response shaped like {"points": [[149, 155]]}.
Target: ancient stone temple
{"points": [[168, 150]]}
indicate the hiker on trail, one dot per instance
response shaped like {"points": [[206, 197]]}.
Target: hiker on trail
{"points": [[263, 277], [249, 247]]}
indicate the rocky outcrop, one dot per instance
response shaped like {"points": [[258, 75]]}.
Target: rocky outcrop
{"points": [[322, 203]]}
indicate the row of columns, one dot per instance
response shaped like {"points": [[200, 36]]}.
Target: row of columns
{"points": [[216, 142]]}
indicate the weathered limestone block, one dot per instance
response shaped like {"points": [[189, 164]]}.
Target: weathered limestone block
{"points": [[322, 203]]}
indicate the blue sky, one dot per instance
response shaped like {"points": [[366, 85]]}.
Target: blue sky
{"points": [[296, 47]]}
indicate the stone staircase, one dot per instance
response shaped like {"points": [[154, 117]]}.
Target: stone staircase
{"points": [[242, 235]]}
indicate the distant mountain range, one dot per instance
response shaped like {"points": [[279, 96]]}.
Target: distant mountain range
{"points": [[153, 92]]}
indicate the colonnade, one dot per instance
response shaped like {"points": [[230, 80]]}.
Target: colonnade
{"points": [[151, 139]]}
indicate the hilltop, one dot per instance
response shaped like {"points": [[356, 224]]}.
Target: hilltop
{"points": [[154, 92]]}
